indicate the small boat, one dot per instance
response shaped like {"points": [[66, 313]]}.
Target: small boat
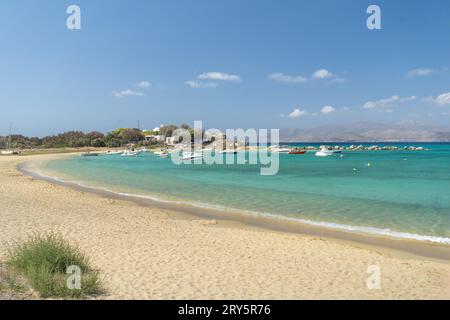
{"points": [[111, 152], [90, 154], [9, 151], [324, 152], [278, 149], [191, 155], [130, 153], [297, 151], [163, 154]]}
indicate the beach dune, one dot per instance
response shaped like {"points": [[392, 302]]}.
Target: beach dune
{"points": [[148, 253]]}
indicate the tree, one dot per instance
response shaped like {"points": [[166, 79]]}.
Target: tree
{"points": [[112, 142], [167, 131], [131, 135]]}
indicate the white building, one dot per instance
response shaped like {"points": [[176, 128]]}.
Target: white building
{"points": [[154, 138], [172, 140]]}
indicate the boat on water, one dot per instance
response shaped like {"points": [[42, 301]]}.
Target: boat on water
{"points": [[111, 152], [90, 154], [297, 151], [130, 153], [163, 153], [324, 152], [191, 155], [278, 149]]}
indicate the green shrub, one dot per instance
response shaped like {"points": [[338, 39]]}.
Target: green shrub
{"points": [[44, 259]]}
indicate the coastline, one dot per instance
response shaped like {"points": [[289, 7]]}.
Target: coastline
{"points": [[151, 252], [403, 246]]}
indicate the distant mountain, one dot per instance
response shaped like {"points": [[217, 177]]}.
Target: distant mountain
{"points": [[368, 132]]}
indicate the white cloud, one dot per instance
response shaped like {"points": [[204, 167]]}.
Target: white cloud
{"points": [[132, 93], [387, 103], [219, 76], [297, 113], [420, 72], [322, 74], [143, 84], [127, 93], [441, 100], [279, 77], [328, 110], [317, 75], [197, 84]]}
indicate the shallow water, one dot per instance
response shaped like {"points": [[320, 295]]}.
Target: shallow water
{"points": [[401, 193]]}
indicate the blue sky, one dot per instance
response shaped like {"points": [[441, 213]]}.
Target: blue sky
{"points": [[230, 63]]}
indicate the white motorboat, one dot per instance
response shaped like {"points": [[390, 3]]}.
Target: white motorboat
{"points": [[111, 152], [324, 152], [191, 155], [130, 153], [278, 149]]}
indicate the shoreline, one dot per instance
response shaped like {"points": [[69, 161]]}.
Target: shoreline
{"points": [[401, 246], [144, 252]]}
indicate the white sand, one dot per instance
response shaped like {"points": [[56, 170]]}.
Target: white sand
{"points": [[147, 253]]}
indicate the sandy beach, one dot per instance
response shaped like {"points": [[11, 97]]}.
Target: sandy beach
{"points": [[149, 253]]}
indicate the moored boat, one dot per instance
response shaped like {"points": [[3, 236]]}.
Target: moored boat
{"points": [[191, 155], [278, 149], [297, 151], [324, 152], [130, 153], [90, 154], [112, 152]]}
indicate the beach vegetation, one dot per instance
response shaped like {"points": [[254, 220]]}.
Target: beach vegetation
{"points": [[168, 130], [77, 139], [54, 268]]}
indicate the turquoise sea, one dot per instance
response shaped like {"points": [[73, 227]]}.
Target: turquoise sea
{"points": [[404, 194]]}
